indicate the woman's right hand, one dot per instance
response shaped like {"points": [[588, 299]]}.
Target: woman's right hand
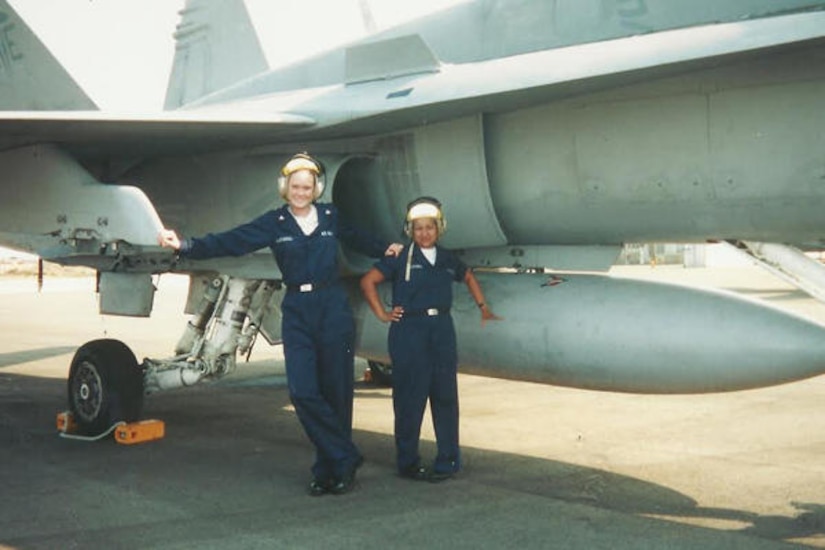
{"points": [[394, 315], [168, 239]]}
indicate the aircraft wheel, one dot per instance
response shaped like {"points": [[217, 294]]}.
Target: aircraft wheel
{"points": [[381, 373], [105, 386]]}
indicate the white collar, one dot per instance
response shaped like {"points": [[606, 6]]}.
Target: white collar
{"points": [[307, 223], [429, 253]]}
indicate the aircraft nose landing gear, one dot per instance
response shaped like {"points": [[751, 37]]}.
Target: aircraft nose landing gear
{"points": [[105, 386]]}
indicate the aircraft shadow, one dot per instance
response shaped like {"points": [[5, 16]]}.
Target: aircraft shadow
{"points": [[607, 490], [19, 357], [235, 460]]}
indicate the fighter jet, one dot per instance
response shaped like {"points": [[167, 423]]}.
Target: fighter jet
{"points": [[552, 132]]}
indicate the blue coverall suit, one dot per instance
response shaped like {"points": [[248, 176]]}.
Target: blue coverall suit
{"points": [[424, 356], [318, 329]]}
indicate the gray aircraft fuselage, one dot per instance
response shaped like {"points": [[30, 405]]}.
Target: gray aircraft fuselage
{"points": [[731, 151], [723, 147]]}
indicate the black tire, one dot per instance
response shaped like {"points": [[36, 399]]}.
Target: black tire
{"points": [[381, 373], [105, 386]]}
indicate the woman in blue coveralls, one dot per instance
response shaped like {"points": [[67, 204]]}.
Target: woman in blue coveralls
{"points": [[318, 330], [422, 342]]}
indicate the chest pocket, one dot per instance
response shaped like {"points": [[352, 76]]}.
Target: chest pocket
{"points": [[312, 258]]}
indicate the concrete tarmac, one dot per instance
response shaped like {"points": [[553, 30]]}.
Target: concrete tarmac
{"points": [[545, 467]]}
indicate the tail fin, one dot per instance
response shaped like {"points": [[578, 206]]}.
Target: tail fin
{"points": [[216, 46], [31, 79]]}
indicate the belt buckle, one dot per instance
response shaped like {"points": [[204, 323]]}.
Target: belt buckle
{"points": [[306, 287], [432, 312]]}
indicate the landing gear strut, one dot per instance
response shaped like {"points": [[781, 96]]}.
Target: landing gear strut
{"points": [[107, 385]]}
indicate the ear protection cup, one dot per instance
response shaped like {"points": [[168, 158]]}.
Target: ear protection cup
{"points": [[425, 207], [302, 161]]}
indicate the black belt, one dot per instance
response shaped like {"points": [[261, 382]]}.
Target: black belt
{"points": [[309, 287], [429, 312]]}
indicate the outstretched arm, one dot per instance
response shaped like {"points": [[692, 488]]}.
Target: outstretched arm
{"points": [[237, 241]]}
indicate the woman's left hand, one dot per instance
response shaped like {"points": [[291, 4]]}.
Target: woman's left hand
{"points": [[394, 249], [487, 315]]}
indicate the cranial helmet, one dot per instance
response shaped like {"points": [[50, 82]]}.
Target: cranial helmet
{"points": [[422, 208], [302, 161]]}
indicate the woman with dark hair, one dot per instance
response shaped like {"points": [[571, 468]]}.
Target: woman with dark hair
{"points": [[422, 342]]}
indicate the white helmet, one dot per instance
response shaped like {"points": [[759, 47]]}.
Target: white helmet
{"points": [[302, 161], [425, 207]]}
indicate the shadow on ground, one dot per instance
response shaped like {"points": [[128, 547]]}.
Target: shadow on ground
{"points": [[19, 357]]}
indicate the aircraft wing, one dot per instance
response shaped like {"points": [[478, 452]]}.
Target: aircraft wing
{"points": [[145, 134], [445, 91], [383, 93]]}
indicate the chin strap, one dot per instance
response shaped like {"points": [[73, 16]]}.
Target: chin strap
{"points": [[409, 263]]}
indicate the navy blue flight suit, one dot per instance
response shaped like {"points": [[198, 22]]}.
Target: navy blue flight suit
{"points": [[424, 356], [318, 329]]}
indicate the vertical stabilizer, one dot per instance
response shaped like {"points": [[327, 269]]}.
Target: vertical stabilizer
{"points": [[31, 79], [216, 46]]}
